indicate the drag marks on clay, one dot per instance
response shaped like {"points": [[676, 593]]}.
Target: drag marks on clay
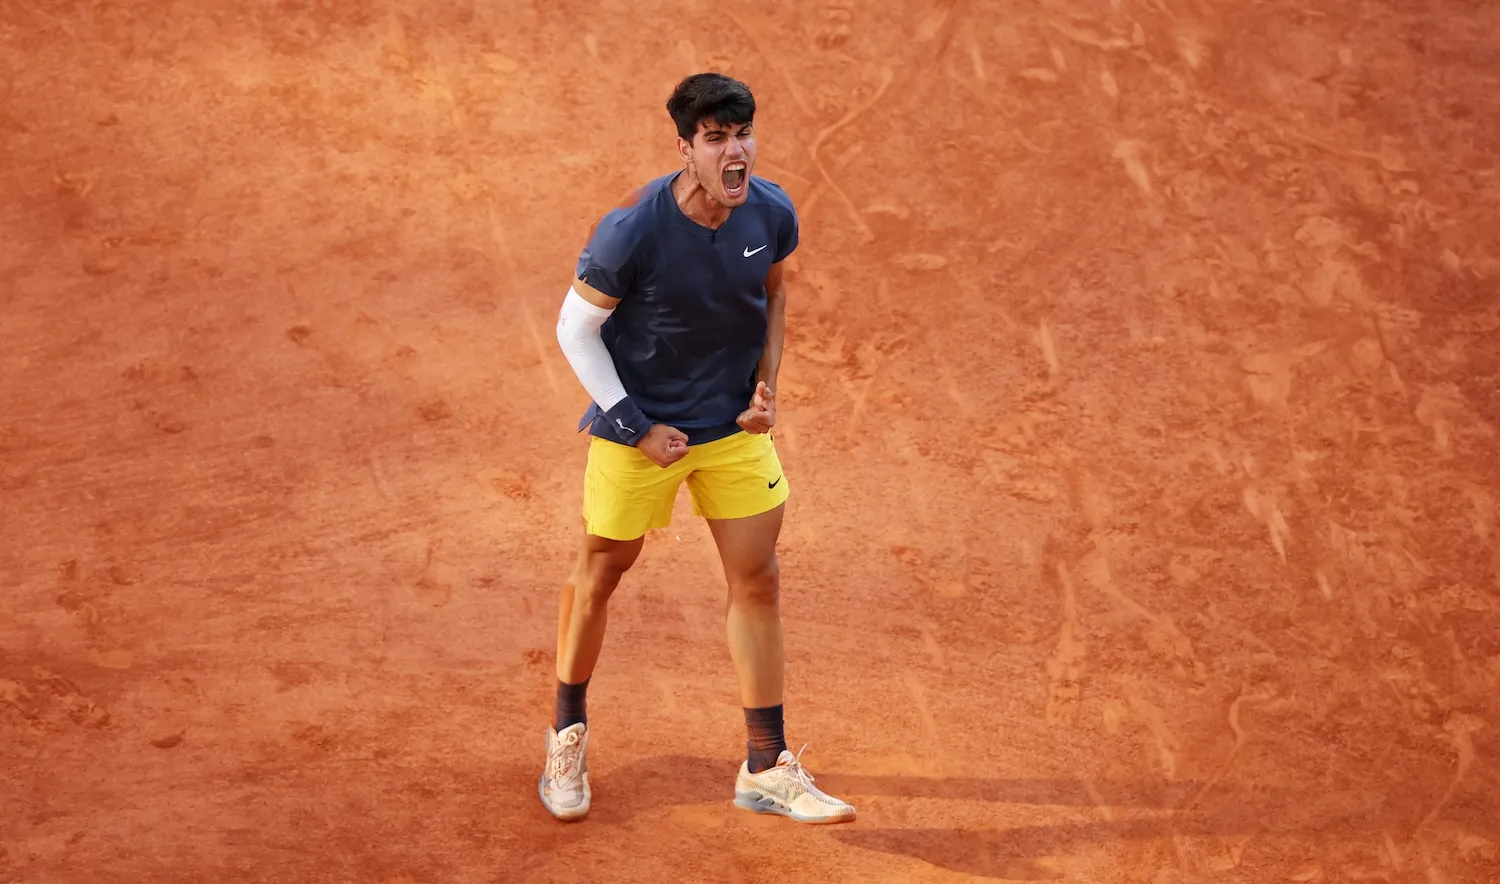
{"points": [[932, 22], [1162, 635], [794, 87], [1130, 153], [434, 585], [1269, 375], [835, 28], [90, 604], [1265, 510], [918, 693], [510, 484], [859, 395], [936, 580], [886, 77], [396, 51], [434, 410], [545, 346], [1065, 665], [1240, 739], [931, 644], [169, 741], [920, 261], [1110, 539], [1106, 810], [1048, 345], [1482, 507], [377, 474], [544, 351], [118, 658], [1108, 83], [47, 703], [668, 687], [71, 191], [339, 371], [799, 95], [1154, 718], [1458, 730]]}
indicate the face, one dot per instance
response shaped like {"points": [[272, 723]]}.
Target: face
{"points": [[722, 157]]}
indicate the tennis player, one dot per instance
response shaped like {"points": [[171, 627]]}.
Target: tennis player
{"points": [[674, 326]]}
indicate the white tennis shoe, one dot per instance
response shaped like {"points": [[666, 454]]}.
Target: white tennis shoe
{"points": [[787, 789], [564, 784]]}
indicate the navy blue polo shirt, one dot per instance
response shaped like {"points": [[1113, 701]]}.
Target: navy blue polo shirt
{"points": [[690, 328]]}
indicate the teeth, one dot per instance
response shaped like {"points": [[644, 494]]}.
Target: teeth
{"points": [[735, 167]]}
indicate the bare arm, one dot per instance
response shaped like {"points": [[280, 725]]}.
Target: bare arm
{"points": [[760, 417], [770, 360]]}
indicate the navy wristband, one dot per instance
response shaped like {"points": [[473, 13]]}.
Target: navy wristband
{"points": [[628, 421]]}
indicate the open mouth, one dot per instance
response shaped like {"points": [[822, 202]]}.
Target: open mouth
{"points": [[734, 179]]}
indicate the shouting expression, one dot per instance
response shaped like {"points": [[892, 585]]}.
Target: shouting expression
{"points": [[721, 156]]}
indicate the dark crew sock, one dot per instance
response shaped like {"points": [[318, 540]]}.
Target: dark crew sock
{"points": [[572, 705], [767, 739]]}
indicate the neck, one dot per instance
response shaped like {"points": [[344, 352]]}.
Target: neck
{"points": [[697, 203]]}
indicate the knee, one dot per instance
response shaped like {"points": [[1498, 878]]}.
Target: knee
{"points": [[759, 586], [598, 573]]}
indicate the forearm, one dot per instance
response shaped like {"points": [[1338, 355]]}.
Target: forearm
{"points": [[770, 360], [578, 323]]}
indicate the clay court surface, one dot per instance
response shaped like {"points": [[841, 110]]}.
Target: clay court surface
{"points": [[1140, 410]]}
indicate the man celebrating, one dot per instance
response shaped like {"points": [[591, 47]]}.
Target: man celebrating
{"points": [[674, 326]]}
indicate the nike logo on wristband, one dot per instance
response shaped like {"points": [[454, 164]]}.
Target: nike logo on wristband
{"points": [[621, 424]]}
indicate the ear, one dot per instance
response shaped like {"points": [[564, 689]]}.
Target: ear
{"points": [[684, 149]]}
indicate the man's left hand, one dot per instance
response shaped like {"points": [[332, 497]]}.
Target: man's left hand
{"points": [[760, 417]]}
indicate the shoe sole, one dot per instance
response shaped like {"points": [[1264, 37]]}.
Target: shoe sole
{"points": [[567, 816], [756, 802]]}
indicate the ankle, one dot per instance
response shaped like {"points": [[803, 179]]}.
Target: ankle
{"points": [[766, 737], [572, 704]]}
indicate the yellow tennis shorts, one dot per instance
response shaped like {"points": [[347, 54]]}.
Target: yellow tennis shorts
{"points": [[625, 494]]}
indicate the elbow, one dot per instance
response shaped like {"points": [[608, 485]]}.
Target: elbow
{"points": [[574, 338], [578, 322]]}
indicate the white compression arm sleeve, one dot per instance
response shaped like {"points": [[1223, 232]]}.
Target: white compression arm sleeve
{"points": [[578, 325]]}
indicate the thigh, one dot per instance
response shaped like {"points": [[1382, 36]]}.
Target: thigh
{"points": [[624, 493], [747, 546], [737, 477]]}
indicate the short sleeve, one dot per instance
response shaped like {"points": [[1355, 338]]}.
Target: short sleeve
{"points": [[609, 262], [786, 236]]}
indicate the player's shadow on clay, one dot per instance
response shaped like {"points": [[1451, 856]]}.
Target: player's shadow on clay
{"points": [[1140, 812]]}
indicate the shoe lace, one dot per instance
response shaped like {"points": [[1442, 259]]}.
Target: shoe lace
{"points": [[800, 773], [562, 764]]}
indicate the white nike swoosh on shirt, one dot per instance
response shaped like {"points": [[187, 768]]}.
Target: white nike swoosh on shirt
{"points": [[749, 252]]}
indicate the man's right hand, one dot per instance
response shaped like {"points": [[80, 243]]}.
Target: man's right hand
{"points": [[665, 445]]}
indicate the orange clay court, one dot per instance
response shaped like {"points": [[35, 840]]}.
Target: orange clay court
{"points": [[1140, 403]]}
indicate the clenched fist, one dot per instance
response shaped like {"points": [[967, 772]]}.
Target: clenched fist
{"points": [[760, 417], [664, 444]]}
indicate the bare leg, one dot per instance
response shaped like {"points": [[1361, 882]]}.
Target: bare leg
{"points": [[747, 548], [581, 614], [582, 608], [772, 779]]}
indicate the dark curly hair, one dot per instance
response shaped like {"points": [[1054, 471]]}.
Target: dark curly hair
{"points": [[710, 96]]}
